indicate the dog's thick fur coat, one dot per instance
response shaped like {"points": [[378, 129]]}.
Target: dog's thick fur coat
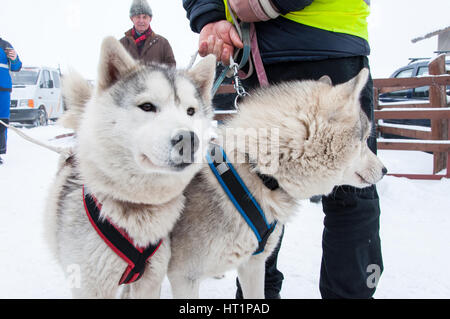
{"points": [[128, 155], [320, 142]]}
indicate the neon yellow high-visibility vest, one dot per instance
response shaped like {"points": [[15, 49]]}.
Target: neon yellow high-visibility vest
{"points": [[344, 16]]}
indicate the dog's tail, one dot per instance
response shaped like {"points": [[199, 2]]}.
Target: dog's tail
{"points": [[76, 93]]}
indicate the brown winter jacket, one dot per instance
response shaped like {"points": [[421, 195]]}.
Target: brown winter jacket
{"points": [[156, 49]]}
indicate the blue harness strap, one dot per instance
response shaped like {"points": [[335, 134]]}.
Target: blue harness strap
{"points": [[240, 196]]}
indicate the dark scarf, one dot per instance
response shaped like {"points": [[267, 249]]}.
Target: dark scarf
{"points": [[139, 38]]}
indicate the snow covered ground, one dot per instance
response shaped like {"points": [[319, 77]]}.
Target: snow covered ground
{"points": [[415, 232]]}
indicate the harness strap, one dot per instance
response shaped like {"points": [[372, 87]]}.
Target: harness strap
{"points": [[119, 242], [241, 197]]}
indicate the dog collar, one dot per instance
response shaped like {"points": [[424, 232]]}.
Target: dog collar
{"points": [[239, 194], [118, 240]]}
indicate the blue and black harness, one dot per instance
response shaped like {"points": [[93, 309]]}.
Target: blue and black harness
{"points": [[241, 197]]}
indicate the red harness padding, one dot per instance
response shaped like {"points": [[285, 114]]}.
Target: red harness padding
{"points": [[118, 240]]}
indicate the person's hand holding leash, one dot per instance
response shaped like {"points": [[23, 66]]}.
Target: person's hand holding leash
{"points": [[219, 38]]}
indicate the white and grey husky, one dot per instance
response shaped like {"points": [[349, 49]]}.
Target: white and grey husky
{"points": [[309, 137], [139, 131]]}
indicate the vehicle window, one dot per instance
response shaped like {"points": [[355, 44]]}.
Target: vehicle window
{"points": [[423, 91], [25, 77], [423, 71], [45, 79], [56, 81], [408, 73], [41, 82]]}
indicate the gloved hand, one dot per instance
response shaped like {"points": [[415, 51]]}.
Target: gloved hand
{"points": [[253, 10]]}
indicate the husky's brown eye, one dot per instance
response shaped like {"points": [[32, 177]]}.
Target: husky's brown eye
{"points": [[191, 111], [148, 107]]}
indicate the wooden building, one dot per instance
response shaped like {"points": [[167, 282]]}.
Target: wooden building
{"points": [[443, 39]]}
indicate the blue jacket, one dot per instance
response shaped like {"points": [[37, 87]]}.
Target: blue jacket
{"points": [[14, 66], [283, 40], [6, 66]]}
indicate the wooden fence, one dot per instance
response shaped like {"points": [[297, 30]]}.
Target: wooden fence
{"points": [[437, 139]]}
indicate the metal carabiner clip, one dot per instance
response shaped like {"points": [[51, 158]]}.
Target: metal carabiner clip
{"points": [[240, 90], [238, 98]]}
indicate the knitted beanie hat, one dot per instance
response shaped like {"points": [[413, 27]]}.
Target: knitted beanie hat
{"points": [[140, 7]]}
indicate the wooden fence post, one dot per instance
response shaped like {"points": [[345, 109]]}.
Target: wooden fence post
{"points": [[439, 127]]}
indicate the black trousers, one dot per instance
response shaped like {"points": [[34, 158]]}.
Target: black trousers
{"points": [[3, 132], [351, 243]]}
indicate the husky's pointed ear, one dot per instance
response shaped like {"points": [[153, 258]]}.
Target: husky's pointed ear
{"points": [[115, 62], [357, 84], [203, 74], [326, 79], [76, 92]]}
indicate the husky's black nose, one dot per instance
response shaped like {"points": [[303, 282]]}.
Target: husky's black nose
{"points": [[185, 144], [384, 171]]}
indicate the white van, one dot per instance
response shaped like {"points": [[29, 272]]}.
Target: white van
{"points": [[36, 96]]}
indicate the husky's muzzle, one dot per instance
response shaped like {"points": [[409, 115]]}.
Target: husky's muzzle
{"points": [[184, 146]]}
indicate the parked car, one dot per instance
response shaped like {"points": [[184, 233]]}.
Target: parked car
{"points": [[416, 68], [36, 96]]}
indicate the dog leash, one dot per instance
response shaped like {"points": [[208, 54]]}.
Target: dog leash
{"points": [[244, 33], [257, 60], [250, 55], [59, 150], [247, 33]]}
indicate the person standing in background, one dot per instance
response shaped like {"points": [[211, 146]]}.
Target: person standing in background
{"points": [[141, 42], [9, 61], [305, 40]]}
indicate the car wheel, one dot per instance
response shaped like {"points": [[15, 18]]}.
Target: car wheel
{"points": [[42, 119]]}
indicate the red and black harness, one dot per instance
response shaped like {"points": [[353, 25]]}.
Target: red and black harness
{"points": [[118, 240]]}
